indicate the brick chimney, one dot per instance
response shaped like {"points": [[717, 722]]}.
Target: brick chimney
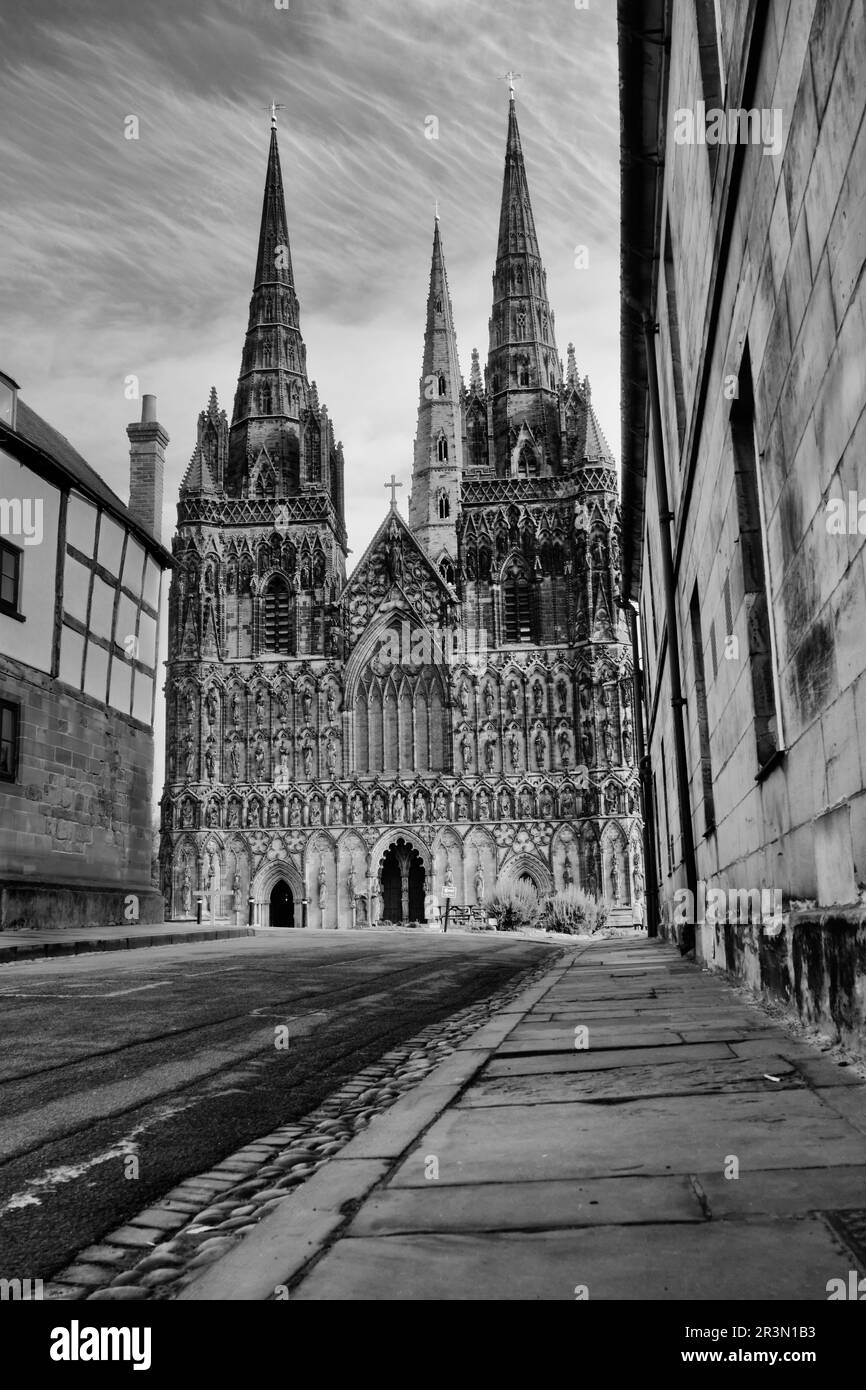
{"points": [[147, 441]]}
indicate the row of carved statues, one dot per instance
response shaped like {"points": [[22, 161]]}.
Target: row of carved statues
{"points": [[402, 805]]}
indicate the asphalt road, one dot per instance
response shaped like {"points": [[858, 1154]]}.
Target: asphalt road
{"points": [[167, 1055]]}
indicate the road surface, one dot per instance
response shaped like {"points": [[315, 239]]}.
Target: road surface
{"points": [[123, 1073]]}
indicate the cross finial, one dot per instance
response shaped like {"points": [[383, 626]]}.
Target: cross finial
{"points": [[274, 107], [509, 77], [393, 485]]}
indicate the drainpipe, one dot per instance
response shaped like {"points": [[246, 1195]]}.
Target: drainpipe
{"points": [[645, 768], [665, 518]]}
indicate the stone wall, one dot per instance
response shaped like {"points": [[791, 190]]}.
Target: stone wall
{"points": [[77, 845], [767, 253]]}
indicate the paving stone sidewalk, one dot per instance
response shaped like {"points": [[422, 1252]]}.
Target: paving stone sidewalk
{"points": [[37, 943], [693, 1149]]}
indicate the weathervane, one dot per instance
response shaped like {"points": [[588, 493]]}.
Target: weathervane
{"points": [[509, 77], [274, 107]]}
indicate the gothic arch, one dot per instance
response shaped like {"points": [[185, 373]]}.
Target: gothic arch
{"points": [[531, 866]]}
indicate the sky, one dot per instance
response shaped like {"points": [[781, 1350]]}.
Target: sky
{"points": [[134, 257]]}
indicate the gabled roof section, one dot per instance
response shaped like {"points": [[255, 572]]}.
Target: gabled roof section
{"points": [[407, 537]]}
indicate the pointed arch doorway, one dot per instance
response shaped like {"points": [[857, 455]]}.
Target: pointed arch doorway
{"points": [[282, 905], [403, 882]]}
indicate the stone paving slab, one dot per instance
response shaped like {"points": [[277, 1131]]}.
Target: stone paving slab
{"points": [[634, 1083], [723, 1260], [783, 1192], [586, 1060], [528, 1206], [518, 1143]]}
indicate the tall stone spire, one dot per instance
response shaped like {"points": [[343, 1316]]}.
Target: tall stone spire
{"points": [[524, 371], [273, 390], [438, 459]]}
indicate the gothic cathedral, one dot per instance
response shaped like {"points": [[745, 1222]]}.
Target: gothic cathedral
{"points": [[459, 711]]}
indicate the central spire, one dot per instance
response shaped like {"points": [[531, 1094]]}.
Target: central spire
{"points": [[273, 390], [523, 363], [438, 459]]}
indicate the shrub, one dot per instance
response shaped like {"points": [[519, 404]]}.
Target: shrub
{"points": [[514, 905], [573, 912]]}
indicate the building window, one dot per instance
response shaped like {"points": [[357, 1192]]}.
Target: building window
{"points": [[8, 740], [753, 531], [524, 373], [438, 305], [516, 608], [442, 386], [8, 400], [446, 569], [278, 619], [444, 506], [442, 449], [10, 579], [703, 716], [674, 338]]}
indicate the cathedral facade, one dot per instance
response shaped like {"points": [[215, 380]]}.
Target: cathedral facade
{"points": [[460, 711]]}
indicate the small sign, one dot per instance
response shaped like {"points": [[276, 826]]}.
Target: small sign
{"points": [[448, 890]]}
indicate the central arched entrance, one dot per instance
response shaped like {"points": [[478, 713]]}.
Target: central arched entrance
{"points": [[282, 905], [403, 882]]}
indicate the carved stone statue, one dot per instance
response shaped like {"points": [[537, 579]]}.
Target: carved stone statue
{"points": [[539, 749], [234, 815], [378, 807], [186, 892], [567, 875], [607, 739], [274, 813], [190, 757], [564, 748], [236, 709], [587, 743], [235, 760], [260, 708], [626, 744], [307, 703], [483, 806], [254, 815], [260, 762], [186, 816], [331, 755], [285, 710], [210, 763], [462, 806], [357, 810], [323, 885], [419, 810], [399, 812], [538, 697], [466, 752], [479, 884], [211, 708], [331, 704], [375, 899], [440, 806], [512, 697], [295, 813], [504, 806], [308, 759], [525, 804], [514, 750], [315, 811], [351, 880], [448, 880], [615, 881], [562, 695], [488, 700], [490, 754]]}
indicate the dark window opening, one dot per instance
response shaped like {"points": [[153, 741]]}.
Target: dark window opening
{"points": [[9, 720], [674, 337], [703, 714], [517, 609], [442, 386], [279, 620], [442, 448], [444, 506], [10, 579], [756, 596]]}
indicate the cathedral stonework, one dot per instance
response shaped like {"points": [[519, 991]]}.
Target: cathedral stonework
{"points": [[460, 711]]}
